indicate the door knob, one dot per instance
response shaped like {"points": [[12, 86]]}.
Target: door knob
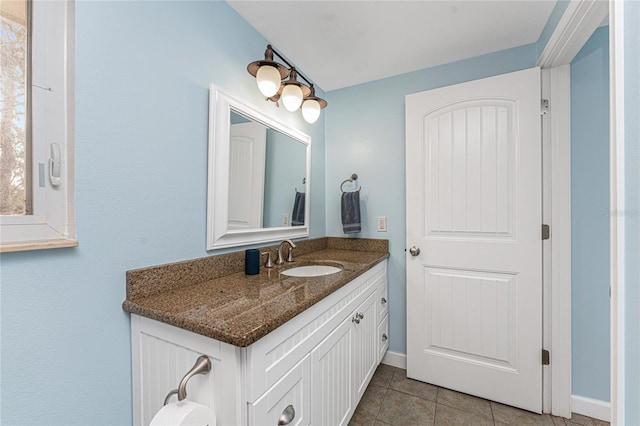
{"points": [[414, 251]]}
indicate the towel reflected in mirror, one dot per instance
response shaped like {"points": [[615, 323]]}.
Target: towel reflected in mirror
{"points": [[297, 216]]}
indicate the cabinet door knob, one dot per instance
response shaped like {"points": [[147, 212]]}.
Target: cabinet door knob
{"points": [[384, 337], [360, 315], [355, 319], [287, 416], [383, 300]]}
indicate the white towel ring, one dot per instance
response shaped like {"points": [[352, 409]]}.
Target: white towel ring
{"points": [[351, 179]]}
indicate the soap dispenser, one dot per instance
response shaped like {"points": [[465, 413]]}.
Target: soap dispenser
{"points": [[252, 262]]}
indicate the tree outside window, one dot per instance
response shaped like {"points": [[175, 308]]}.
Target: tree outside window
{"points": [[15, 161]]}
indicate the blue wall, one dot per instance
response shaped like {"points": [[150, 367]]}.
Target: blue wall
{"points": [[366, 135], [590, 219], [632, 213], [143, 73]]}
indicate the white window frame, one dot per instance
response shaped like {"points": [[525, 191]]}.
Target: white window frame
{"points": [[52, 223]]}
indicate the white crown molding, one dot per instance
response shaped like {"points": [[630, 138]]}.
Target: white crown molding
{"points": [[577, 24]]}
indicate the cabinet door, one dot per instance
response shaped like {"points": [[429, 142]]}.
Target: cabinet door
{"points": [[365, 354], [332, 379], [287, 402]]}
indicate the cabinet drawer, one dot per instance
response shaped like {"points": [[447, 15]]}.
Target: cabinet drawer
{"points": [[382, 301], [289, 399], [383, 337]]}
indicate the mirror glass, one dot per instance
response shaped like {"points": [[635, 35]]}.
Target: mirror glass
{"points": [[267, 176], [258, 176]]}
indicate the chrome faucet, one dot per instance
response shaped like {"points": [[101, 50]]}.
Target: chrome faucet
{"points": [[292, 245]]}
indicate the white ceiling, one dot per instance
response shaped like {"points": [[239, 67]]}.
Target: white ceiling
{"points": [[342, 43]]}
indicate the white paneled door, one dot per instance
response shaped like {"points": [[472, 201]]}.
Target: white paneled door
{"points": [[247, 151], [474, 248]]}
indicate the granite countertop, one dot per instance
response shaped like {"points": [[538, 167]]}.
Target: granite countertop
{"points": [[240, 309]]}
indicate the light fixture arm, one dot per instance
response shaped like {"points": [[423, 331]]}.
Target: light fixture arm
{"points": [[298, 73]]}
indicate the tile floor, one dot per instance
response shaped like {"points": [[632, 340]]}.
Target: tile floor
{"points": [[393, 399]]}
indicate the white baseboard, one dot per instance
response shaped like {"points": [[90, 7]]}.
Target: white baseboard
{"points": [[395, 359], [591, 407]]}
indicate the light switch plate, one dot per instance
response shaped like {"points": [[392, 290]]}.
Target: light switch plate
{"points": [[285, 219], [382, 224]]}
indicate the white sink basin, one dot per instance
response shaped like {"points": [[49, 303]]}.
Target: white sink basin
{"points": [[310, 271]]}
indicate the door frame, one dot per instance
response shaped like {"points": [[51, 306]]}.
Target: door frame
{"points": [[617, 204], [579, 21]]}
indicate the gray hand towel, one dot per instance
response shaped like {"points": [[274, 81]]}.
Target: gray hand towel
{"points": [[350, 206], [297, 217]]}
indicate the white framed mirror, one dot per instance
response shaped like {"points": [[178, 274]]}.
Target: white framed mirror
{"points": [[258, 175]]}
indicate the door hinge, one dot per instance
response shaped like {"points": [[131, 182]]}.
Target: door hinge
{"points": [[545, 357], [546, 232], [544, 107]]}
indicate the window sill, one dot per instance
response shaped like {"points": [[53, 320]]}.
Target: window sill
{"points": [[37, 245]]}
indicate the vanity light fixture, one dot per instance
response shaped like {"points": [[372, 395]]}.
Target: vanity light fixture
{"points": [[277, 82]]}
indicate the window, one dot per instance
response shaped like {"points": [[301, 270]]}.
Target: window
{"points": [[37, 124]]}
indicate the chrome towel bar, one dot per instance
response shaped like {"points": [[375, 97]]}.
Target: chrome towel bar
{"points": [[202, 366], [351, 179]]}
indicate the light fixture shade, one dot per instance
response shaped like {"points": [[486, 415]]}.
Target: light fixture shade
{"points": [[312, 105], [311, 110], [268, 73], [291, 97], [268, 80]]}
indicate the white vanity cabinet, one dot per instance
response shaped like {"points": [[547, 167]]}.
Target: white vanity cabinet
{"points": [[311, 370]]}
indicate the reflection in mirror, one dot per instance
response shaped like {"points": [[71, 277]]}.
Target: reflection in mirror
{"points": [[258, 171], [267, 174]]}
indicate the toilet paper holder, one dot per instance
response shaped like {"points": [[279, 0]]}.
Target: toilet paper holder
{"points": [[202, 366]]}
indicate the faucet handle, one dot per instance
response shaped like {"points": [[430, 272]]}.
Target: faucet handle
{"points": [[290, 255], [269, 263]]}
